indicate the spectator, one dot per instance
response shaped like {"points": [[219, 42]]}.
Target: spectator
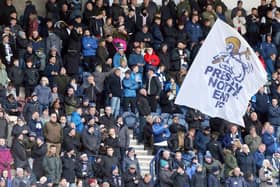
{"points": [[165, 174], [19, 179], [232, 136], [266, 174], [83, 168], [238, 8], [259, 156], [215, 148], [213, 179], [53, 133], [199, 178], [108, 162], [151, 58], [153, 89], [115, 178], [269, 140], [129, 92], [131, 177], [89, 51], [6, 158], [52, 165], [123, 135], [180, 178], [114, 91], [131, 159], [44, 94], [35, 124], [202, 138], [193, 29], [4, 126], [147, 181], [246, 160], [38, 152], [236, 179], [260, 104], [253, 140], [230, 162], [239, 23], [19, 152]]}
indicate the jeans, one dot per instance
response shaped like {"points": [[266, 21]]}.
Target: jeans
{"points": [[115, 105]]}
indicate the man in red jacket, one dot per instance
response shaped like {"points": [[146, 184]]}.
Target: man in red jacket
{"points": [[151, 58]]}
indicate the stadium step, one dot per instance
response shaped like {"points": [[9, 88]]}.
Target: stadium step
{"points": [[144, 156]]}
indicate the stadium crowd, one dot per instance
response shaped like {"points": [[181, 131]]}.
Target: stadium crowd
{"points": [[70, 81]]}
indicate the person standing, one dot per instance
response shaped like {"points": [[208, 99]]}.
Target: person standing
{"points": [[153, 89], [38, 152], [52, 165]]}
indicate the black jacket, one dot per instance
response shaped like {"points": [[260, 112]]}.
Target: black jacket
{"points": [[16, 75], [107, 121], [90, 92], [68, 168], [181, 180], [4, 128], [115, 143], [246, 163], [69, 141], [143, 105], [29, 108], [38, 153], [107, 163], [31, 77], [216, 150], [113, 85], [90, 143], [154, 85], [19, 154], [130, 178]]}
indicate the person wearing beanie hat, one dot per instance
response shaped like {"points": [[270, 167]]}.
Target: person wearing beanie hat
{"points": [[212, 179], [165, 174], [210, 162]]}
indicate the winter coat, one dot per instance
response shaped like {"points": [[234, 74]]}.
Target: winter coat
{"points": [[165, 179], [53, 41], [3, 75], [201, 141], [170, 35], [31, 76], [123, 134], [228, 140], [127, 161], [29, 108], [89, 45], [17, 129], [44, 94], [180, 180], [143, 105], [90, 92], [129, 87], [157, 35], [52, 168], [16, 75], [70, 104], [194, 31], [77, 120], [68, 168], [199, 180], [164, 59], [270, 141], [246, 163], [5, 160], [36, 126], [117, 59], [253, 142], [259, 158], [38, 153], [4, 128], [216, 150], [152, 60], [90, 143], [230, 162], [53, 132], [19, 154], [213, 181], [144, 37], [62, 81], [113, 86], [261, 102], [239, 24], [266, 49], [115, 143], [108, 162], [72, 62], [234, 181], [130, 178], [160, 133], [135, 59], [274, 115]]}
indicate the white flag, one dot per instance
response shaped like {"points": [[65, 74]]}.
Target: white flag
{"points": [[225, 74]]}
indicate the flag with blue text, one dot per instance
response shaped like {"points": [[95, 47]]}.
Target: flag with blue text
{"points": [[225, 74]]}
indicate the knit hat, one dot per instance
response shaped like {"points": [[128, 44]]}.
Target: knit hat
{"points": [[41, 138], [91, 181], [163, 163], [208, 155], [114, 167], [214, 169]]}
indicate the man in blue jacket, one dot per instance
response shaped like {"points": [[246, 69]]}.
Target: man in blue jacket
{"points": [[274, 116], [129, 92], [90, 45], [269, 140]]}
